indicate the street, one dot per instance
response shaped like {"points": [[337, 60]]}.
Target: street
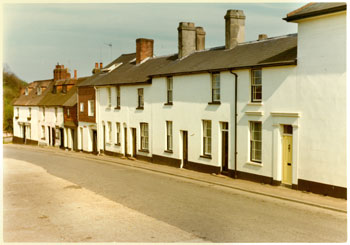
{"points": [[52, 197]]}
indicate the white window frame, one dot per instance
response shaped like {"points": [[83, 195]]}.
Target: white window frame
{"points": [[169, 90], [81, 106], [109, 97], [144, 136], [109, 124], [118, 96], [256, 84], [169, 135], [91, 108], [215, 87], [117, 138], [140, 96], [29, 112], [255, 141], [207, 136]]}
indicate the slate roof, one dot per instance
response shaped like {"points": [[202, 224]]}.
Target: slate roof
{"points": [[272, 51], [315, 9]]}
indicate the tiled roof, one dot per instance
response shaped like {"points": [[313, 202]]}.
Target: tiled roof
{"points": [[315, 9], [32, 98]]}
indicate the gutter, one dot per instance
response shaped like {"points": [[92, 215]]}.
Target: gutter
{"points": [[236, 77], [315, 13]]}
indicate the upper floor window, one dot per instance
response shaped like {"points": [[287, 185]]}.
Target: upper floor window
{"points": [[117, 133], [206, 137], [255, 141], [140, 98], [215, 87], [30, 112], [91, 108], [169, 135], [81, 107], [54, 89], [118, 96], [17, 109], [26, 91], [144, 136], [38, 90], [64, 89], [169, 90], [109, 92], [68, 112], [256, 85]]}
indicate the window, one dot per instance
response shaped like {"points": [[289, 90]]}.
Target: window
{"points": [[140, 98], [109, 92], [118, 133], [30, 112], [43, 132], [38, 90], [169, 135], [81, 107], [26, 91], [64, 89], [206, 137], [144, 136], [255, 141], [44, 113], [215, 87], [169, 90], [91, 108], [118, 97], [68, 112], [109, 132], [256, 88], [56, 113]]}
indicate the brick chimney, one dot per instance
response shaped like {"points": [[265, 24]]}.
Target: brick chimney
{"points": [[186, 38], [60, 73], [101, 65], [200, 38], [75, 74], [262, 37], [96, 69], [234, 28], [144, 49]]}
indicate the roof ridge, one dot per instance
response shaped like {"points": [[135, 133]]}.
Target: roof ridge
{"points": [[301, 8]]}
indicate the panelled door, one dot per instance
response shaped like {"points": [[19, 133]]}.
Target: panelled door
{"points": [[224, 146], [94, 142], [126, 141], [287, 155], [133, 131], [185, 148]]}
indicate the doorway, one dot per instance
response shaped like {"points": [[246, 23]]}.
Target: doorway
{"points": [[184, 148], [224, 147], [104, 138], [49, 131], [94, 142], [287, 154], [133, 131], [24, 134], [53, 136], [62, 137], [126, 141]]}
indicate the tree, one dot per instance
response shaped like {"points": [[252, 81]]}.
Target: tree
{"points": [[12, 86]]}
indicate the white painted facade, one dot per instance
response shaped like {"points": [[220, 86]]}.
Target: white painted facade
{"points": [[48, 120], [28, 117]]}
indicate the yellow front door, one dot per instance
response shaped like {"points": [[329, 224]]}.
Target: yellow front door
{"points": [[287, 159]]}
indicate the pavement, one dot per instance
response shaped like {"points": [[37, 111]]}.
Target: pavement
{"points": [[278, 192]]}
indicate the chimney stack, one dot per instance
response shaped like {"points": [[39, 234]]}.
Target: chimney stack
{"points": [[187, 38], [200, 38], [234, 28], [144, 49], [60, 73], [96, 69], [262, 37]]}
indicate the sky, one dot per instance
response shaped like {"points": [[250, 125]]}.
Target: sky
{"points": [[38, 36]]}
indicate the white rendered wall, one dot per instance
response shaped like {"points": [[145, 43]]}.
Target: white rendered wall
{"points": [[322, 93], [51, 121], [23, 118], [87, 128]]}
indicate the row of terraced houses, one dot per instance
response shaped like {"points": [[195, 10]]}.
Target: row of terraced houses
{"points": [[271, 110]]}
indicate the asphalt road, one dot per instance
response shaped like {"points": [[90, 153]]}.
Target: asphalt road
{"points": [[210, 212]]}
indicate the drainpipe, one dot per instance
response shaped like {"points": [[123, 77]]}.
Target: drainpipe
{"points": [[236, 76]]}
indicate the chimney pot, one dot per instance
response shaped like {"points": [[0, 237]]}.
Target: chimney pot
{"points": [[101, 65], [75, 74], [234, 28], [144, 49], [96, 65], [186, 38], [262, 37]]}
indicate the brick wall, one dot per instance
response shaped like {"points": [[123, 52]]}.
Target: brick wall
{"points": [[72, 112], [84, 95]]}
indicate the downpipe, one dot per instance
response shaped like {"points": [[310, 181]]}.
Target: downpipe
{"points": [[235, 157]]}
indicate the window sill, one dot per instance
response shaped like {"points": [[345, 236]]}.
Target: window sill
{"points": [[16, 118], [144, 150], [108, 108], [206, 156], [90, 115], [29, 118], [258, 164], [258, 103], [117, 144], [42, 138], [117, 108], [214, 103], [139, 108], [168, 151], [168, 103]]}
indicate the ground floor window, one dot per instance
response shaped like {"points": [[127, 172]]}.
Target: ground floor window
{"points": [[255, 141], [144, 136], [169, 135], [206, 137], [43, 132], [117, 133]]}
